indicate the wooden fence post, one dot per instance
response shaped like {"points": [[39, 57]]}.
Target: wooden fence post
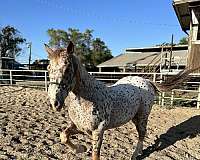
{"points": [[154, 77], [163, 99], [172, 98], [160, 98], [11, 79], [198, 98], [45, 78]]}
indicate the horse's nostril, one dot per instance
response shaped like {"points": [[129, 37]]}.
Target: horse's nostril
{"points": [[56, 103]]}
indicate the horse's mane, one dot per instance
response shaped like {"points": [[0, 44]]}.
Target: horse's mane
{"points": [[78, 63]]}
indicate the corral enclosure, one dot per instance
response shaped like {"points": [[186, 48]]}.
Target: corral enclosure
{"points": [[187, 94], [29, 129]]}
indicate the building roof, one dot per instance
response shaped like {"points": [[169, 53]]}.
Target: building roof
{"points": [[182, 9], [184, 1], [157, 48], [144, 59]]}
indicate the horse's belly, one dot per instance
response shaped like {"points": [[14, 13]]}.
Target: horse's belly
{"points": [[124, 113]]}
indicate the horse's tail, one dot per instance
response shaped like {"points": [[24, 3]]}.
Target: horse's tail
{"points": [[173, 81]]}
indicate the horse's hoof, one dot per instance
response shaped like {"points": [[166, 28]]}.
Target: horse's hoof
{"points": [[136, 155], [80, 149], [63, 137], [133, 158]]}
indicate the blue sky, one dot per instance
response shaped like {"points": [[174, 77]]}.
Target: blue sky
{"points": [[119, 23]]}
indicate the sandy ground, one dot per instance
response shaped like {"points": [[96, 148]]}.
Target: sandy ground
{"points": [[29, 129]]}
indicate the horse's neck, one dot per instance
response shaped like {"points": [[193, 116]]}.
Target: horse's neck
{"points": [[89, 86]]}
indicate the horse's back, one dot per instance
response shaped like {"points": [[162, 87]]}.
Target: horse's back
{"points": [[146, 90]]}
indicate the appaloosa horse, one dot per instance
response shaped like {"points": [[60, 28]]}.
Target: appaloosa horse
{"points": [[94, 107]]}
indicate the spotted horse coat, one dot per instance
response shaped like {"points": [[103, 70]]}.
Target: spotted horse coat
{"points": [[94, 107]]}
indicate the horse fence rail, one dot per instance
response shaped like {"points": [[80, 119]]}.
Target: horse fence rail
{"points": [[30, 78], [40, 78]]}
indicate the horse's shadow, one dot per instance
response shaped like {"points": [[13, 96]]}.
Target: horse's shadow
{"points": [[189, 128]]}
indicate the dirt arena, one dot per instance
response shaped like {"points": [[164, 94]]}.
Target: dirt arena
{"points": [[29, 129]]}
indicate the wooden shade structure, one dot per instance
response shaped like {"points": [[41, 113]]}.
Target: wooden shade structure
{"points": [[188, 13]]}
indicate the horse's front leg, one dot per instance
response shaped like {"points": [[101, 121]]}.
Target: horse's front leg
{"points": [[97, 138], [65, 138]]}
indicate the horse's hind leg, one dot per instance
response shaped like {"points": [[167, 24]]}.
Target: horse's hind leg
{"points": [[65, 138], [140, 122]]}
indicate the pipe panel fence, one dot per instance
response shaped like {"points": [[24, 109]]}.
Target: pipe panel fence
{"points": [[189, 92]]}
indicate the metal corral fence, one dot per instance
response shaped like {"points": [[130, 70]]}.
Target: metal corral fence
{"points": [[29, 78], [40, 78]]}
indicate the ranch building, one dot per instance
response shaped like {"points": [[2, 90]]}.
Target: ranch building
{"points": [[151, 59], [188, 14]]}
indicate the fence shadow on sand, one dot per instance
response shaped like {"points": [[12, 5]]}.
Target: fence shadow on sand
{"points": [[189, 128]]}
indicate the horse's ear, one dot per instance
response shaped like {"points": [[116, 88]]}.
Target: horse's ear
{"points": [[49, 50], [70, 48]]}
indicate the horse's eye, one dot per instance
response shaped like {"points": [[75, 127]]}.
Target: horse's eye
{"points": [[67, 69], [64, 86]]}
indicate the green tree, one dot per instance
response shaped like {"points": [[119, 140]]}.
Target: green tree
{"points": [[10, 40], [183, 40], [100, 52], [58, 38], [91, 51]]}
